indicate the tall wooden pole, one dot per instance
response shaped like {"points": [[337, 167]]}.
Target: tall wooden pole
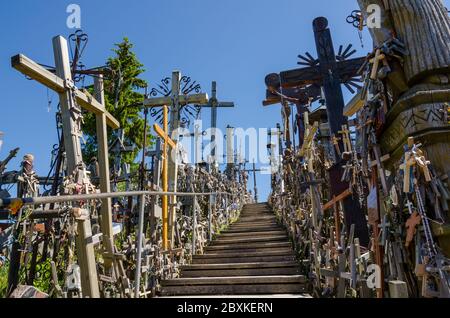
{"points": [[165, 183], [72, 145], [103, 161], [335, 112], [68, 106]]}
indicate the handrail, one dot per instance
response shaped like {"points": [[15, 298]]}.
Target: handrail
{"points": [[19, 202], [93, 196]]}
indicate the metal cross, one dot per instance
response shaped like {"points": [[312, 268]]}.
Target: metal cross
{"points": [[214, 103]]}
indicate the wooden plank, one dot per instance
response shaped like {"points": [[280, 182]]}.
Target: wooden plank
{"points": [[245, 258], [293, 270], [163, 135], [255, 253], [103, 163], [340, 197], [280, 279], [225, 241], [183, 100], [312, 75], [256, 265], [398, 289], [91, 105], [234, 289], [248, 246], [33, 70], [253, 234], [354, 105], [220, 104], [85, 249]]}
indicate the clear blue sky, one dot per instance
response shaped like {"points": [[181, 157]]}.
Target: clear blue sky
{"points": [[233, 42]]}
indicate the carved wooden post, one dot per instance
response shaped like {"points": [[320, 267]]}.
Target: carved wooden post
{"points": [[420, 110], [424, 27]]}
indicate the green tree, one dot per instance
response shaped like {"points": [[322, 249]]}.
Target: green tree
{"points": [[122, 85]]}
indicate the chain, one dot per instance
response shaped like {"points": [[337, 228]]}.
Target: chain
{"points": [[426, 225]]}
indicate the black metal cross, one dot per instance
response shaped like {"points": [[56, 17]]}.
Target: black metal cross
{"points": [[328, 71]]}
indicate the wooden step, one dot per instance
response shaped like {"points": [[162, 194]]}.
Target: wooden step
{"points": [[256, 245], [274, 232], [234, 289], [279, 279], [240, 285], [237, 265], [253, 224], [252, 257], [257, 216], [227, 241], [240, 269], [260, 211], [244, 258], [292, 270], [252, 229], [249, 252]]}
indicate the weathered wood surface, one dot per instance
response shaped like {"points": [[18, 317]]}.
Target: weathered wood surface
{"points": [[424, 27], [33, 70], [264, 267]]}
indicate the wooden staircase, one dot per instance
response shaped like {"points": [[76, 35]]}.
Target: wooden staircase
{"points": [[253, 257]]}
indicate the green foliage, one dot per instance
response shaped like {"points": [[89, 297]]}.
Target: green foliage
{"points": [[3, 280], [121, 96], [41, 281]]}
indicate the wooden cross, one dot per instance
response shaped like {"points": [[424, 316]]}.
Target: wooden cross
{"points": [[164, 134], [214, 103], [176, 100], [326, 72], [297, 95], [70, 100], [411, 225], [306, 151], [62, 83], [407, 167], [254, 170], [384, 225], [309, 135], [378, 162], [333, 204], [375, 61], [335, 140], [329, 72], [346, 138]]}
